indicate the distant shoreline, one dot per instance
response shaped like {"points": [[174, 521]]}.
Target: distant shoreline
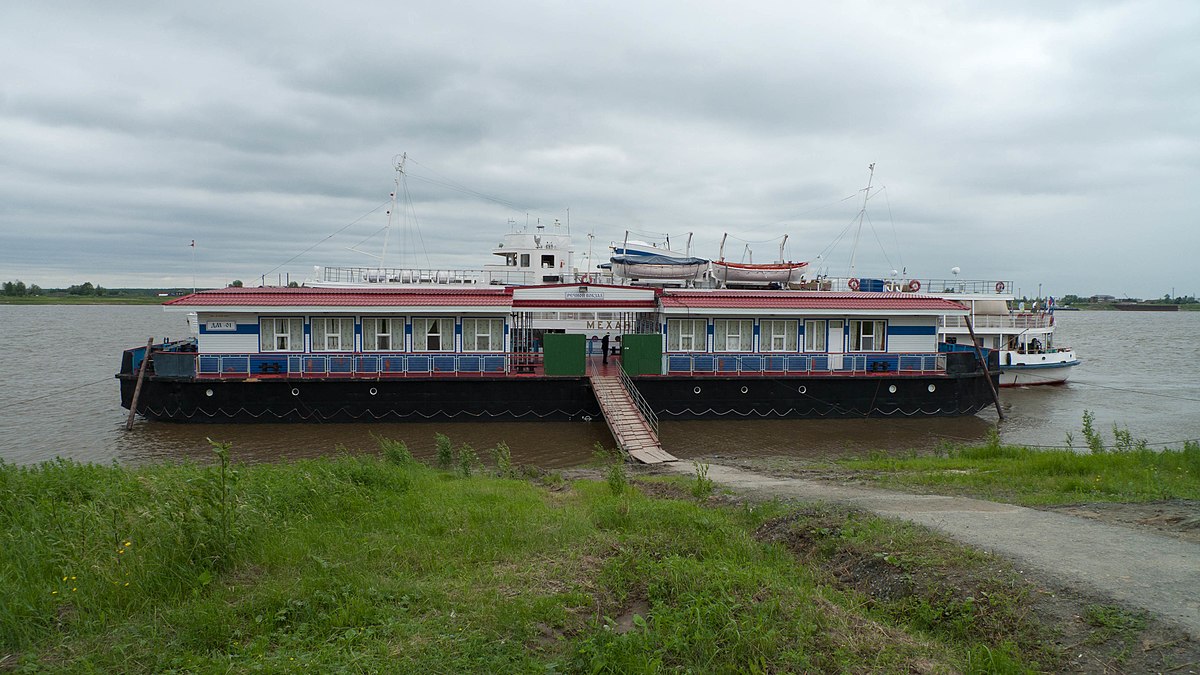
{"points": [[82, 300]]}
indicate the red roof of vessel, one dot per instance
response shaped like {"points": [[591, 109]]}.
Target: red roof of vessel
{"points": [[341, 297], [804, 300]]}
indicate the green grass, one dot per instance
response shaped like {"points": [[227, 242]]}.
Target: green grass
{"points": [[382, 564], [82, 300], [1045, 477]]}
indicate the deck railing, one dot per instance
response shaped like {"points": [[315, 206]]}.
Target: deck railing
{"points": [[638, 399], [1024, 321], [798, 364], [906, 285], [456, 277], [364, 365]]}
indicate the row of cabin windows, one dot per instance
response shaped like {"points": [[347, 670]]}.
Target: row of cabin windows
{"points": [[775, 335], [380, 334], [510, 260]]}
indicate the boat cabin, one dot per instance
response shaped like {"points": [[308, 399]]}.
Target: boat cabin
{"points": [[379, 332]]}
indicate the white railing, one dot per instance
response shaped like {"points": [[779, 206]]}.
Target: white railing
{"points": [[1009, 321], [369, 276], [638, 399], [905, 285]]}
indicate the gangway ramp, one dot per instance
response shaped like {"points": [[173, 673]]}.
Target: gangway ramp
{"points": [[635, 434]]}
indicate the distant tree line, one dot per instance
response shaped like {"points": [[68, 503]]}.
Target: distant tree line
{"points": [[86, 288], [18, 288], [1166, 299]]}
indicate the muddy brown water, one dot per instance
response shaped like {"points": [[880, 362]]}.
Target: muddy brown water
{"points": [[58, 398]]}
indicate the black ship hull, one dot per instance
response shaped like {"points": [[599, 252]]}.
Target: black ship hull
{"points": [[567, 398]]}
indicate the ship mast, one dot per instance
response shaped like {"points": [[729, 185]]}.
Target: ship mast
{"points": [[861, 215], [392, 209]]}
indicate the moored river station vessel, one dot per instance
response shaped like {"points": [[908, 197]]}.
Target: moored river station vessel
{"points": [[275, 354]]}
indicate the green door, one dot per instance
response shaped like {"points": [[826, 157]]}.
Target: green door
{"points": [[564, 354], [641, 353]]}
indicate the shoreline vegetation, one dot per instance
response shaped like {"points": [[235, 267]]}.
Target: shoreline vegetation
{"points": [[379, 562]]}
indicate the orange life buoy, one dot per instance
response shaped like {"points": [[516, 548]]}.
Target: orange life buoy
{"points": [[914, 286], [853, 284], [999, 286]]}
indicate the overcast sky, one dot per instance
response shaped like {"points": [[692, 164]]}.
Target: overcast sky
{"points": [[1053, 143]]}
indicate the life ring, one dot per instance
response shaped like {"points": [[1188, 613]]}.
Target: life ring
{"points": [[999, 286], [586, 279], [914, 286], [853, 284]]}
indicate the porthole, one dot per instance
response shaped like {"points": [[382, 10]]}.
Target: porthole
{"points": [[932, 388], [745, 389], [696, 390], [374, 391], [802, 389], [208, 392], [295, 391], [892, 389]]}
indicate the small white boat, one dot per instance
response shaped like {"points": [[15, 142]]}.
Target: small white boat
{"points": [[642, 261], [1024, 338], [757, 274], [658, 267]]}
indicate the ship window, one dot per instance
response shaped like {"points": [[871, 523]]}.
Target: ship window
{"points": [[332, 334], [548, 261], [483, 335], [383, 334], [814, 335], [281, 334], [524, 260], [510, 259], [433, 335], [734, 335], [867, 336], [777, 336], [687, 335]]}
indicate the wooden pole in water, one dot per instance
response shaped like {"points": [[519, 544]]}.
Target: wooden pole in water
{"points": [[137, 389], [978, 353]]}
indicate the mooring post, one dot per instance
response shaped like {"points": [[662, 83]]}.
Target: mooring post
{"points": [[979, 354], [137, 389]]}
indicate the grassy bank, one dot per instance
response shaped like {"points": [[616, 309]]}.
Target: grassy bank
{"points": [[381, 564], [1033, 477], [82, 300]]}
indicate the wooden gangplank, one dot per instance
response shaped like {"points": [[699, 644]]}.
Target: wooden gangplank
{"points": [[629, 428]]}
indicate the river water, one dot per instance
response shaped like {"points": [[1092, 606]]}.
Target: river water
{"points": [[58, 397]]}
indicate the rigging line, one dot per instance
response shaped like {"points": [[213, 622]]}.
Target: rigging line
{"points": [[416, 225], [1136, 391], [55, 393], [449, 183], [895, 235], [756, 241], [882, 249], [310, 248], [369, 237], [473, 193]]}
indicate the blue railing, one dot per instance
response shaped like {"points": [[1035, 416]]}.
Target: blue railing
{"points": [[784, 364], [355, 365]]}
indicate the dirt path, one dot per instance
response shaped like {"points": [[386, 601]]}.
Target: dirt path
{"points": [[1158, 574]]}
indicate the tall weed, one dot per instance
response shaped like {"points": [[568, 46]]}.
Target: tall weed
{"points": [[445, 451], [502, 458], [394, 451], [468, 459], [1090, 436]]}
